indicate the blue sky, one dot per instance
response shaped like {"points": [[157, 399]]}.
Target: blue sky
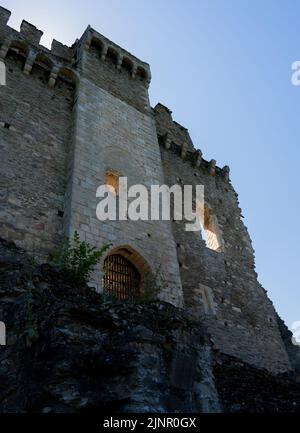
{"points": [[224, 69]]}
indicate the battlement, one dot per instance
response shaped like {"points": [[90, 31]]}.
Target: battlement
{"points": [[4, 16], [121, 58], [61, 60], [173, 136], [58, 61], [30, 33]]}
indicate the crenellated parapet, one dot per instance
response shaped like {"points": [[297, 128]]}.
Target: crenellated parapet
{"points": [[61, 61], [165, 125], [176, 138], [4, 16], [121, 58], [58, 61], [30, 33]]}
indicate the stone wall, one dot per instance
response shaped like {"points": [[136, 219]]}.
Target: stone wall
{"points": [[240, 317], [35, 125], [117, 82]]}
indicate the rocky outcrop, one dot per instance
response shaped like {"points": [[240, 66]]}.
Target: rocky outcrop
{"points": [[70, 350], [243, 388]]}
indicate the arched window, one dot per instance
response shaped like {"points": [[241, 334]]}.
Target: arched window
{"points": [[210, 231], [121, 279]]}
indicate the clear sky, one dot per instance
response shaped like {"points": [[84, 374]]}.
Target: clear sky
{"points": [[224, 69]]}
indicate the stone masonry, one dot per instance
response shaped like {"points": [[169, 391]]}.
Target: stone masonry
{"points": [[71, 114]]}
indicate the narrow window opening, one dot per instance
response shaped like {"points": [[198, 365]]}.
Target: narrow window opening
{"points": [[210, 231], [207, 299]]}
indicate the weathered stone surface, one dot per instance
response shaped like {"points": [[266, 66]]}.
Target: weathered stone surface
{"points": [[243, 388], [34, 145], [69, 350], [244, 323]]}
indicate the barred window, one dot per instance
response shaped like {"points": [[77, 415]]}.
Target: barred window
{"points": [[121, 279]]}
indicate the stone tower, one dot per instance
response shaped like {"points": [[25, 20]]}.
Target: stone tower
{"points": [[114, 133], [71, 118]]}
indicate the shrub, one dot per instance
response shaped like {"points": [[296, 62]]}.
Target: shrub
{"points": [[77, 259], [152, 286]]}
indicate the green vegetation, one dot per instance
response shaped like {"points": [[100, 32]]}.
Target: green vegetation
{"points": [[77, 259]]}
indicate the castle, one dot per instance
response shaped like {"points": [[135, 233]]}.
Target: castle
{"points": [[73, 118]]}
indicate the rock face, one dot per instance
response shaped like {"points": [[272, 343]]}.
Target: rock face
{"points": [[243, 388], [70, 350]]}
